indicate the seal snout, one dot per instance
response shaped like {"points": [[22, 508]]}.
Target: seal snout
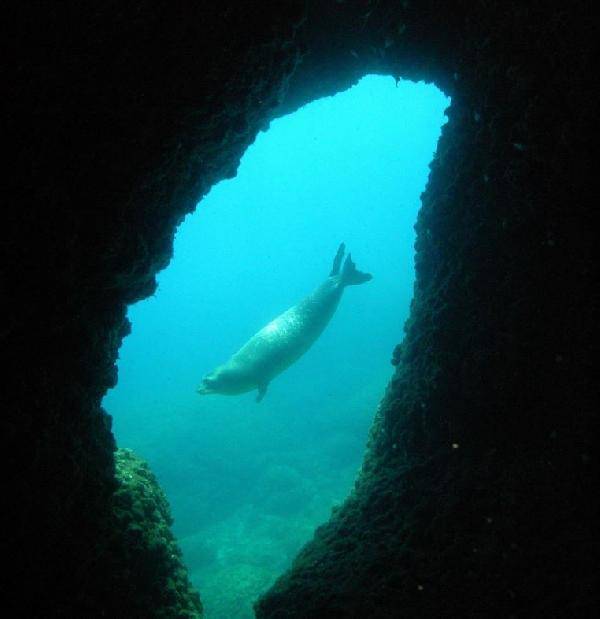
{"points": [[206, 386]]}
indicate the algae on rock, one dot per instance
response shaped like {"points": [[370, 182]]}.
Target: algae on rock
{"points": [[152, 578]]}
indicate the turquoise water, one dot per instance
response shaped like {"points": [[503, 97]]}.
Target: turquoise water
{"points": [[249, 482]]}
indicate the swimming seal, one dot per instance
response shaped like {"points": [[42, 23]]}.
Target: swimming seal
{"points": [[286, 338]]}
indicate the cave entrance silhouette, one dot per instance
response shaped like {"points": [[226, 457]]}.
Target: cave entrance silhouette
{"points": [[248, 483]]}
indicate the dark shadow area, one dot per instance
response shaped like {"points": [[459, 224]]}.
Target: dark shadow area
{"points": [[476, 494]]}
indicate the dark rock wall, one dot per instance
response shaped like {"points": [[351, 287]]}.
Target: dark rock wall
{"points": [[120, 116], [476, 494]]}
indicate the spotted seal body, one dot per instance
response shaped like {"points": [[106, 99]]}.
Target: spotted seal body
{"points": [[286, 338]]}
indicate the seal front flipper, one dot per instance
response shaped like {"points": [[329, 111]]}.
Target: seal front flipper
{"points": [[262, 390]]}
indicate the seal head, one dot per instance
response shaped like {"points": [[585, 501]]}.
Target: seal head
{"points": [[226, 381]]}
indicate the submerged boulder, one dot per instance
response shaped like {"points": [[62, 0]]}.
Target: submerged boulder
{"points": [[149, 570]]}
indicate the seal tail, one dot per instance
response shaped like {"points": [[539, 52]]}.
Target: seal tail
{"points": [[350, 275]]}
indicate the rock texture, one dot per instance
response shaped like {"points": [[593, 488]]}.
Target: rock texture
{"points": [[476, 495], [148, 572]]}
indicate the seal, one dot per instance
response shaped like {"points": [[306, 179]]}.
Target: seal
{"points": [[286, 338]]}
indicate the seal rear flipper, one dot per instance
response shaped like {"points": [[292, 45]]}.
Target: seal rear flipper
{"points": [[351, 276], [262, 390], [337, 261]]}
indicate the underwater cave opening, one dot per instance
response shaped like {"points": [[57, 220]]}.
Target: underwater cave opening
{"points": [[249, 482]]}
